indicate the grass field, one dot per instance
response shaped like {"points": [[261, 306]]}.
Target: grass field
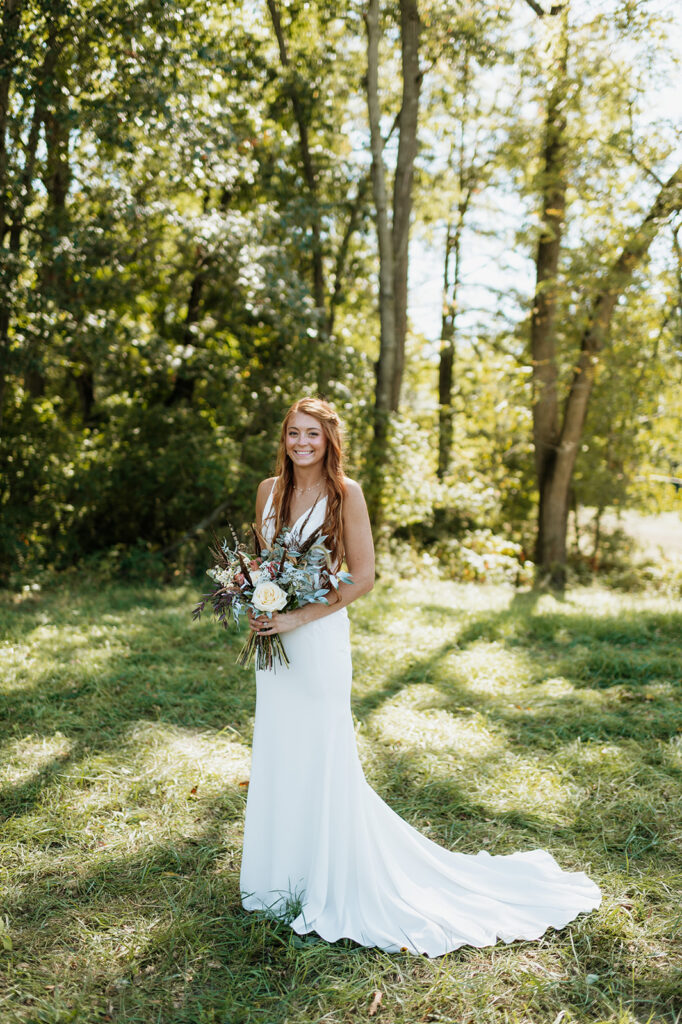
{"points": [[488, 718]]}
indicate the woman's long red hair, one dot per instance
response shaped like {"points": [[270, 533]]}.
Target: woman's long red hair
{"points": [[333, 467]]}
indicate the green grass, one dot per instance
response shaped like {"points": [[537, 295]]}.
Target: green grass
{"points": [[488, 719]]}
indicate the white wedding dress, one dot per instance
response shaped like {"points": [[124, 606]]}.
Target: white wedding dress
{"points": [[321, 847]]}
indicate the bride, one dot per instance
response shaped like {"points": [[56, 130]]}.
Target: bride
{"points": [[321, 849]]}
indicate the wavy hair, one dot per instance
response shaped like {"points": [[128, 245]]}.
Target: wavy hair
{"points": [[333, 467]]}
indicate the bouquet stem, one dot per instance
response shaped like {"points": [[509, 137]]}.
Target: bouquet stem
{"points": [[265, 649]]}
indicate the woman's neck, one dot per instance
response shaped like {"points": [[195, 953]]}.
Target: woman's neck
{"points": [[308, 480]]}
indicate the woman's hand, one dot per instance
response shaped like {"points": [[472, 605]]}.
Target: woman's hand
{"points": [[281, 622]]}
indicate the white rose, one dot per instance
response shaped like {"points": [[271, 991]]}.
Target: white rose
{"points": [[268, 597], [255, 575]]}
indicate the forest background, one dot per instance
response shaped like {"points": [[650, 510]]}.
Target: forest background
{"points": [[205, 211]]}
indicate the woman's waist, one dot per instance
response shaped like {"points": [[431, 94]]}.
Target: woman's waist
{"points": [[329, 623], [336, 613]]}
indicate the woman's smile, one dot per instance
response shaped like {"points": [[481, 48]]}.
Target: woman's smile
{"points": [[306, 442]]}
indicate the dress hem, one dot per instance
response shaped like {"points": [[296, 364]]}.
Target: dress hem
{"points": [[302, 927]]}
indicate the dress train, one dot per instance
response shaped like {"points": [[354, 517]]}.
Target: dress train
{"points": [[321, 847]]}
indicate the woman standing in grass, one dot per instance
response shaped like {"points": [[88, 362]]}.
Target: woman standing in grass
{"points": [[320, 847]]}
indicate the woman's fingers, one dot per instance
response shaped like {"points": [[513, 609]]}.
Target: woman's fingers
{"points": [[264, 624]]}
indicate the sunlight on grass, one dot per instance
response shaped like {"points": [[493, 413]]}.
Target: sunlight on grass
{"points": [[524, 784], [556, 687], [51, 653], [490, 668], [490, 719], [404, 723], [177, 757], [673, 752], [26, 756]]}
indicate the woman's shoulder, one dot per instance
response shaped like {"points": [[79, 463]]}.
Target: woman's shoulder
{"points": [[353, 491], [263, 494], [265, 486], [355, 513]]}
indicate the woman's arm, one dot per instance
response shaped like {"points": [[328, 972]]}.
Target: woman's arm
{"points": [[357, 537]]}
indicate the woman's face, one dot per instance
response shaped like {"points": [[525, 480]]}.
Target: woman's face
{"points": [[306, 441]]}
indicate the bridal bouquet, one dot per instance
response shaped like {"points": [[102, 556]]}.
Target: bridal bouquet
{"points": [[288, 574]]}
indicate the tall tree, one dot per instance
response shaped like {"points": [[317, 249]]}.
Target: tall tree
{"points": [[471, 164], [33, 78], [392, 225], [310, 172], [555, 484], [553, 184], [558, 429]]}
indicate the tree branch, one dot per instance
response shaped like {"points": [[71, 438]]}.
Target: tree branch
{"points": [[617, 279], [201, 525], [541, 13], [342, 254]]}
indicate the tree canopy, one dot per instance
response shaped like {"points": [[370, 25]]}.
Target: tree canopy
{"points": [[208, 209]]}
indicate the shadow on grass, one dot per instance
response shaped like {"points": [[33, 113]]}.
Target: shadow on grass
{"points": [[193, 955], [625, 652], [155, 669]]}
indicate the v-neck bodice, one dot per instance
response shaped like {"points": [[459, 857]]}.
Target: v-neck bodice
{"points": [[316, 519]]}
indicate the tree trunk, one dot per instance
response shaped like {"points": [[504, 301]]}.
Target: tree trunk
{"points": [[555, 486], [467, 176], [596, 546], [185, 379], [410, 27], [393, 238], [447, 353], [311, 180], [84, 378], [386, 365], [355, 210], [12, 216], [543, 316], [576, 524], [11, 14], [393, 235], [53, 275]]}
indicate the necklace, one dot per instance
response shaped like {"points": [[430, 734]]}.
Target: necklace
{"points": [[314, 487]]}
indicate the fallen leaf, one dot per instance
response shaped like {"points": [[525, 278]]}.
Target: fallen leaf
{"points": [[244, 783], [193, 791], [376, 1002]]}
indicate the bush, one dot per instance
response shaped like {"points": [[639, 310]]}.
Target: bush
{"points": [[121, 492], [484, 557]]}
